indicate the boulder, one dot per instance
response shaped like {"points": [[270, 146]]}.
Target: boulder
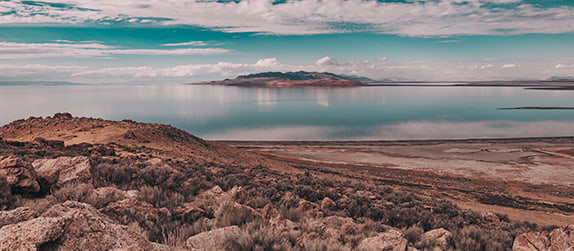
{"points": [[217, 239], [390, 240], [63, 170], [17, 215], [20, 175], [71, 225], [440, 235], [31, 234], [559, 239]]}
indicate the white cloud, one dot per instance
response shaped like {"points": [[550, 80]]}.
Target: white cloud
{"points": [[376, 69], [267, 62], [10, 50], [221, 69], [416, 18], [327, 61], [190, 43]]}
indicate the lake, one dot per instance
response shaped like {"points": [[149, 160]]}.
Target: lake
{"points": [[362, 113]]}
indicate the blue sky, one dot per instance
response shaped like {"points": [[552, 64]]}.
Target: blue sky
{"points": [[153, 41]]}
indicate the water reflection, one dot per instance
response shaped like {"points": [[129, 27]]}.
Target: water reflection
{"points": [[405, 131], [218, 112]]}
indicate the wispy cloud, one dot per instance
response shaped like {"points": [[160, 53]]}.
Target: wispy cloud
{"points": [[411, 18], [221, 69], [377, 69], [190, 43], [9, 50]]}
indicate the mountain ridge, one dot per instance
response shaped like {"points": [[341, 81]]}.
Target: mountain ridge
{"points": [[292, 79]]}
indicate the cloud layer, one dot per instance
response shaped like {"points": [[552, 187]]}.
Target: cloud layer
{"points": [[403, 71], [10, 50], [410, 18]]}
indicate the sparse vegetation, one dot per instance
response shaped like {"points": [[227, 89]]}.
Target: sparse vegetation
{"points": [[274, 210]]}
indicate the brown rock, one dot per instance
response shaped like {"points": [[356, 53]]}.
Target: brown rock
{"points": [[29, 235], [328, 204], [489, 220], [63, 170], [440, 235], [17, 215], [391, 240], [69, 226], [19, 175], [217, 239], [531, 241], [559, 239]]}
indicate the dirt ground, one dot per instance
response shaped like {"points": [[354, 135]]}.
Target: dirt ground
{"points": [[528, 179]]}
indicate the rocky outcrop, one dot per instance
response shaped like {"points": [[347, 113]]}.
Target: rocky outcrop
{"points": [[390, 240], [63, 170], [69, 226], [217, 239], [19, 175], [559, 239], [17, 215]]}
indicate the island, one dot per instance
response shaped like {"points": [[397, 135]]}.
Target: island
{"points": [[292, 79]]}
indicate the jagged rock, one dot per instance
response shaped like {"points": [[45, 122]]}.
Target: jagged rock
{"points": [[57, 172], [489, 220], [17, 215], [328, 204], [391, 240], [440, 235], [217, 239], [559, 239], [69, 226], [19, 175]]}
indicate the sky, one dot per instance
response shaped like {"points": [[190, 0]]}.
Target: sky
{"points": [[182, 41]]}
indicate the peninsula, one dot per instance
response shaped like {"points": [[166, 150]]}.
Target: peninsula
{"points": [[292, 79]]}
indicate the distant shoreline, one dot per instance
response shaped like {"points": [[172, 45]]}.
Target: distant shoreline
{"points": [[561, 139]]}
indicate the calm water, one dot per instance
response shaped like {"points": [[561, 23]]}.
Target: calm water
{"points": [[217, 112]]}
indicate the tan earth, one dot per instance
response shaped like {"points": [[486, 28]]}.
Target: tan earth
{"points": [[476, 174]]}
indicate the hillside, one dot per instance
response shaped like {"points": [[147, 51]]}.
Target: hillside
{"points": [[292, 79], [68, 182]]}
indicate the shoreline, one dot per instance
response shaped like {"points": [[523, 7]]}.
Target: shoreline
{"points": [[563, 139]]}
